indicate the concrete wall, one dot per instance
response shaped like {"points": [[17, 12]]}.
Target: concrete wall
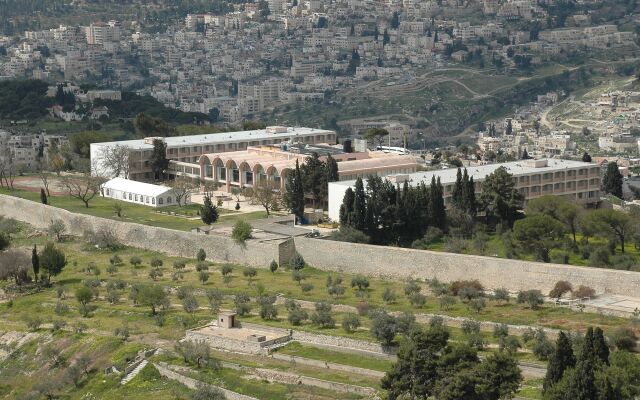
{"points": [[385, 262]]}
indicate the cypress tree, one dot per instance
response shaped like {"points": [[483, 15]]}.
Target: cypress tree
{"points": [[560, 360], [612, 180], [525, 155], [470, 195], [35, 262], [582, 385], [600, 347], [296, 193], [457, 196], [346, 209], [359, 206], [208, 212], [43, 197], [332, 169], [436, 204]]}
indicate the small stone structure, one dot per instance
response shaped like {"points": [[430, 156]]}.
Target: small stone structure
{"points": [[227, 334]]}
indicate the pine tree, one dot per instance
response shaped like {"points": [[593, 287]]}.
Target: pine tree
{"points": [[457, 196], [560, 361], [586, 157], [359, 206], [612, 180], [208, 212], [43, 197], [346, 209], [35, 262], [525, 155]]}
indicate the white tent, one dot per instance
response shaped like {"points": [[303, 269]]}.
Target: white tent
{"points": [[139, 192]]}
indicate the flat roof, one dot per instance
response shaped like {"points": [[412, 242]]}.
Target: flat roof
{"points": [[479, 173], [216, 138], [136, 187]]}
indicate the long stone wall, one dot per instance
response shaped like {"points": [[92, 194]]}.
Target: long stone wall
{"points": [[175, 243], [492, 272], [384, 262]]}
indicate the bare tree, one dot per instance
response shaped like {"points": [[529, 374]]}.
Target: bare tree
{"points": [[44, 175], [115, 159], [267, 194], [14, 264], [209, 187], [84, 188], [182, 186]]}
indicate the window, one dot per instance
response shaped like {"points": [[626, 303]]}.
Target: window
{"points": [[136, 198], [124, 195], [160, 200], [129, 196], [169, 200], [146, 200], [153, 200], [108, 193]]}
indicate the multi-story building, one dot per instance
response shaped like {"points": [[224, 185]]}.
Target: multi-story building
{"points": [[188, 149], [274, 162], [574, 180], [99, 33]]}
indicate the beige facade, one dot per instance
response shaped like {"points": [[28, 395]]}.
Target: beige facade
{"points": [[188, 149]]}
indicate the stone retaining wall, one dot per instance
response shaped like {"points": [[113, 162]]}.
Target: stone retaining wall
{"points": [[384, 262]]}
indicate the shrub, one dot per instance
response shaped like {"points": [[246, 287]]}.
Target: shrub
{"points": [[113, 296], [476, 341], [155, 273], [115, 260], [542, 347], [411, 288], [469, 293], [226, 269], [456, 286], [249, 273], [477, 304], [446, 302], [584, 291], [241, 302], [500, 331], [297, 262], [406, 320], [61, 308], [298, 276], [268, 311], [529, 335], [417, 300], [322, 316], [510, 343], [336, 290], [183, 292], [112, 269], [389, 296], [533, 298], [241, 232], [350, 322], [599, 257], [207, 392], [179, 264], [360, 282], [58, 324], [201, 255], [306, 287], [156, 262], [560, 289], [273, 267], [349, 234], [202, 266], [135, 261], [383, 327], [297, 316], [501, 294], [624, 338], [470, 327]]}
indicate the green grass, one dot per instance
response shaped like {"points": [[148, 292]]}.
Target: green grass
{"points": [[104, 207], [315, 353]]}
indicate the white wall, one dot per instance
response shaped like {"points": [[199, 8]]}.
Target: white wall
{"points": [[336, 194]]}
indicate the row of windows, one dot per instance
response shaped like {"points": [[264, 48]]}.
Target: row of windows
{"points": [[140, 198]]}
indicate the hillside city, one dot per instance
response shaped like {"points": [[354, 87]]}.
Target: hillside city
{"points": [[306, 199]]}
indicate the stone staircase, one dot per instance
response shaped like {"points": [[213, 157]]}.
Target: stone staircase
{"points": [[143, 363]]}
